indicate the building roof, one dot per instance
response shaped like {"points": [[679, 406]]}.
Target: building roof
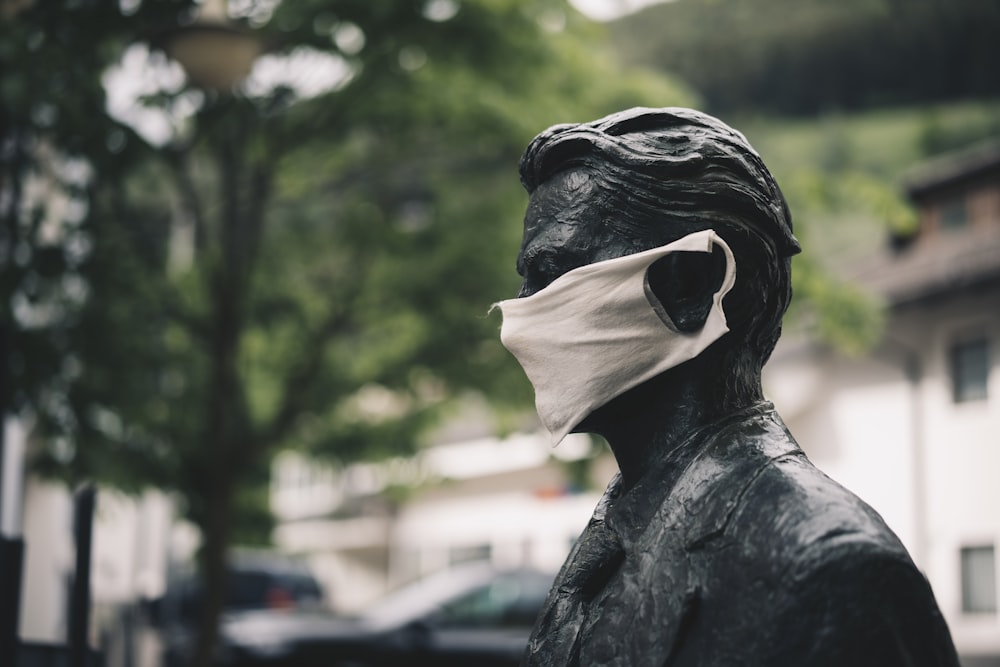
{"points": [[948, 262], [947, 170]]}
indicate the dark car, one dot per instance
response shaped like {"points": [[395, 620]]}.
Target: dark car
{"points": [[473, 615], [256, 583]]}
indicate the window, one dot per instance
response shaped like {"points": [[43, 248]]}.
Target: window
{"points": [[953, 214], [970, 366], [472, 554], [510, 600], [979, 590]]}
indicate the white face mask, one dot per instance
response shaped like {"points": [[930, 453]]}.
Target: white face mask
{"points": [[597, 331]]}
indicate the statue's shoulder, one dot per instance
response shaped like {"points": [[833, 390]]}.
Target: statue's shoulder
{"points": [[793, 502], [753, 487], [793, 567]]}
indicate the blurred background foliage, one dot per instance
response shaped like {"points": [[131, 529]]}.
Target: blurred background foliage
{"points": [[278, 265], [285, 267], [317, 268]]}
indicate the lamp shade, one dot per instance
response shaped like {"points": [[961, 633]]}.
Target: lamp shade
{"points": [[215, 56]]}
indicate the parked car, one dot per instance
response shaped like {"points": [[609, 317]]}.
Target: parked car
{"points": [[473, 615], [265, 583]]}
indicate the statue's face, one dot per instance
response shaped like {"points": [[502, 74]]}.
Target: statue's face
{"points": [[565, 228]]}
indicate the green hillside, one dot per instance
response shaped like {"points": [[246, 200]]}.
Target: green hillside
{"points": [[806, 56]]}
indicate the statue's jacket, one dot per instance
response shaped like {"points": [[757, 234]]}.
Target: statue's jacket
{"points": [[736, 550]]}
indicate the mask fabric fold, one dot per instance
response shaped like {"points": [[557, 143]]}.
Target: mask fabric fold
{"points": [[593, 334]]}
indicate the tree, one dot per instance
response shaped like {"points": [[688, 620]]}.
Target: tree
{"points": [[285, 266]]}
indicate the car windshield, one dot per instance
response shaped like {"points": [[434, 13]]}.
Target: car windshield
{"points": [[425, 596], [471, 596]]}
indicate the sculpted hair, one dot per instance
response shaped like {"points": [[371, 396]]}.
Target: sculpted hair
{"points": [[689, 171]]}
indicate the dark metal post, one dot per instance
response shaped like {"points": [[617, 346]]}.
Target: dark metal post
{"points": [[11, 540], [79, 610], [11, 566]]}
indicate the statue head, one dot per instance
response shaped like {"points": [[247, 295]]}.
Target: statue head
{"points": [[643, 178]]}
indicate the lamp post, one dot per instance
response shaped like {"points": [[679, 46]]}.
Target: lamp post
{"points": [[217, 56]]}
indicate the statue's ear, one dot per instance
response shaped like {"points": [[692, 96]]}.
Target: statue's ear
{"points": [[683, 283]]}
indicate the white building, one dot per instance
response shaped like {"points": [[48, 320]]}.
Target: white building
{"points": [[133, 538], [914, 426], [129, 557], [509, 501]]}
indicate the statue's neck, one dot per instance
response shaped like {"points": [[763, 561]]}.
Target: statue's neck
{"points": [[639, 443], [645, 425]]}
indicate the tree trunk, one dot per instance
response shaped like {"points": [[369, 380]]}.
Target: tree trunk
{"points": [[219, 477], [214, 571], [228, 448]]}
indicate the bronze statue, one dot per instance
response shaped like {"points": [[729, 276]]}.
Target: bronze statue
{"points": [[718, 543]]}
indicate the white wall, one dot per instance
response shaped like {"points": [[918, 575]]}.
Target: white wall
{"points": [[852, 418], [128, 558], [131, 546], [519, 527], [48, 562], [963, 461], [506, 495], [929, 465]]}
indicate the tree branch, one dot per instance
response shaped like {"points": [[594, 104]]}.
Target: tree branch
{"points": [[194, 325], [303, 375], [179, 162], [261, 179]]}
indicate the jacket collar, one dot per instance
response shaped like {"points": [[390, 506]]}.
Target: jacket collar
{"points": [[707, 474]]}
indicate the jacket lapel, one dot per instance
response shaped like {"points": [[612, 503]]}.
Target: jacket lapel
{"points": [[714, 486], [658, 590], [632, 581]]}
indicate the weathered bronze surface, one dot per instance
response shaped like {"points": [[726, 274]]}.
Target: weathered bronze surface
{"points": [[718, 543]]}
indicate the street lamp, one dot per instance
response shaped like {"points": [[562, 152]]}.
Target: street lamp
{"points": [[215, 54]]}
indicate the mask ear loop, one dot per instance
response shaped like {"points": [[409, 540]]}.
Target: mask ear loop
{"points": [[655, 303], [728, 280]]}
